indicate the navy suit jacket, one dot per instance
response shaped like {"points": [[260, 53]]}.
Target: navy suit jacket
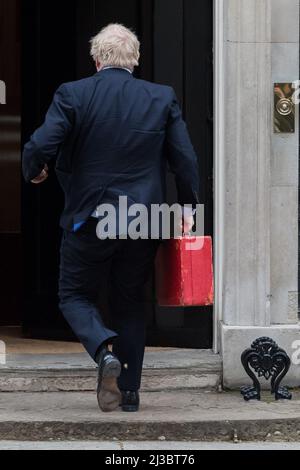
{"points": [[112, 133]]}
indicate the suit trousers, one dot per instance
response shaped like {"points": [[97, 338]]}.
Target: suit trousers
{"points": [[83, 257]]}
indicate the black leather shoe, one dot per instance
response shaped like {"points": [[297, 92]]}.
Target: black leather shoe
{"points": [[108, 393], [130, 400]]}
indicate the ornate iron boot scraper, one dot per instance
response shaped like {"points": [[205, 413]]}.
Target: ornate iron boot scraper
{"points": [[267, 360]]}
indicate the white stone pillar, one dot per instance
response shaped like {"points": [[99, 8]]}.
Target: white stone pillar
{"points": [[260, 205], [284, 171]]}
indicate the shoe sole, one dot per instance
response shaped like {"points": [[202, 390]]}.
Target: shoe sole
{"points": [[108, 393]]}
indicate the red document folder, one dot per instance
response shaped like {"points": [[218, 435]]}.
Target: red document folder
{"points": [[184, 272]]}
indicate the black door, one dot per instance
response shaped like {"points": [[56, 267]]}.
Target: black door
{"points": [[176, 38], [10, 177]]}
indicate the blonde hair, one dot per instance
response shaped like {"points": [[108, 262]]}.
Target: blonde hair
{"points": [[116, 45]]}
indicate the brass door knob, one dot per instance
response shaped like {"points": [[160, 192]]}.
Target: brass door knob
{"points": [[285, 106]]}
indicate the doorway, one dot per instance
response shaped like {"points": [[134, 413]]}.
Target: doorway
{"points": [[176, 37]]}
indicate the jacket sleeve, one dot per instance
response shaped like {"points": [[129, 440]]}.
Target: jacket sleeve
{"points": [[44, 144], [181, 156]]}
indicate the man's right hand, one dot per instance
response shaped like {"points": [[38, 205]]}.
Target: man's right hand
{"points": [[188, 223]]}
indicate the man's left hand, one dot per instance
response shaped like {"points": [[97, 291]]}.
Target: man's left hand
{"points": [[42, 176]]}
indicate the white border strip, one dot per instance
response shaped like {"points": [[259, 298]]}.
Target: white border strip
{"points": [[218, 24]]}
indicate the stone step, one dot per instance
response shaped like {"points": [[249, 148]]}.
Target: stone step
{"points": [[174, 369], [190, 415]]}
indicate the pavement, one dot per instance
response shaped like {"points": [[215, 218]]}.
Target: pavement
{"points": [[184, 415], [146, 445]]}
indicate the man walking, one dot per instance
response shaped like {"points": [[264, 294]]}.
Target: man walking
{"points": [[111, 135]]}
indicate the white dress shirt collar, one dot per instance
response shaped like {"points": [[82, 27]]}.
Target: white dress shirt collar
{"points": [[114, 67]]}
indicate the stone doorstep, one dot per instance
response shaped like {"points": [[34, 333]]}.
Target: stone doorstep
{"points": [[167, 370], [42, 381], [174, 415]]}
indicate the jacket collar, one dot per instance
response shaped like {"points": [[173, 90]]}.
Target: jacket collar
{"points": [[114, 71]]}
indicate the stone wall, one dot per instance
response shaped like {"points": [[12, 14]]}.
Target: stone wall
{"points": [[260, 177]]}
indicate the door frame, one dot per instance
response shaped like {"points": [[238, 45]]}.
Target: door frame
{"points": [[218, 157], [216, 24]]}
